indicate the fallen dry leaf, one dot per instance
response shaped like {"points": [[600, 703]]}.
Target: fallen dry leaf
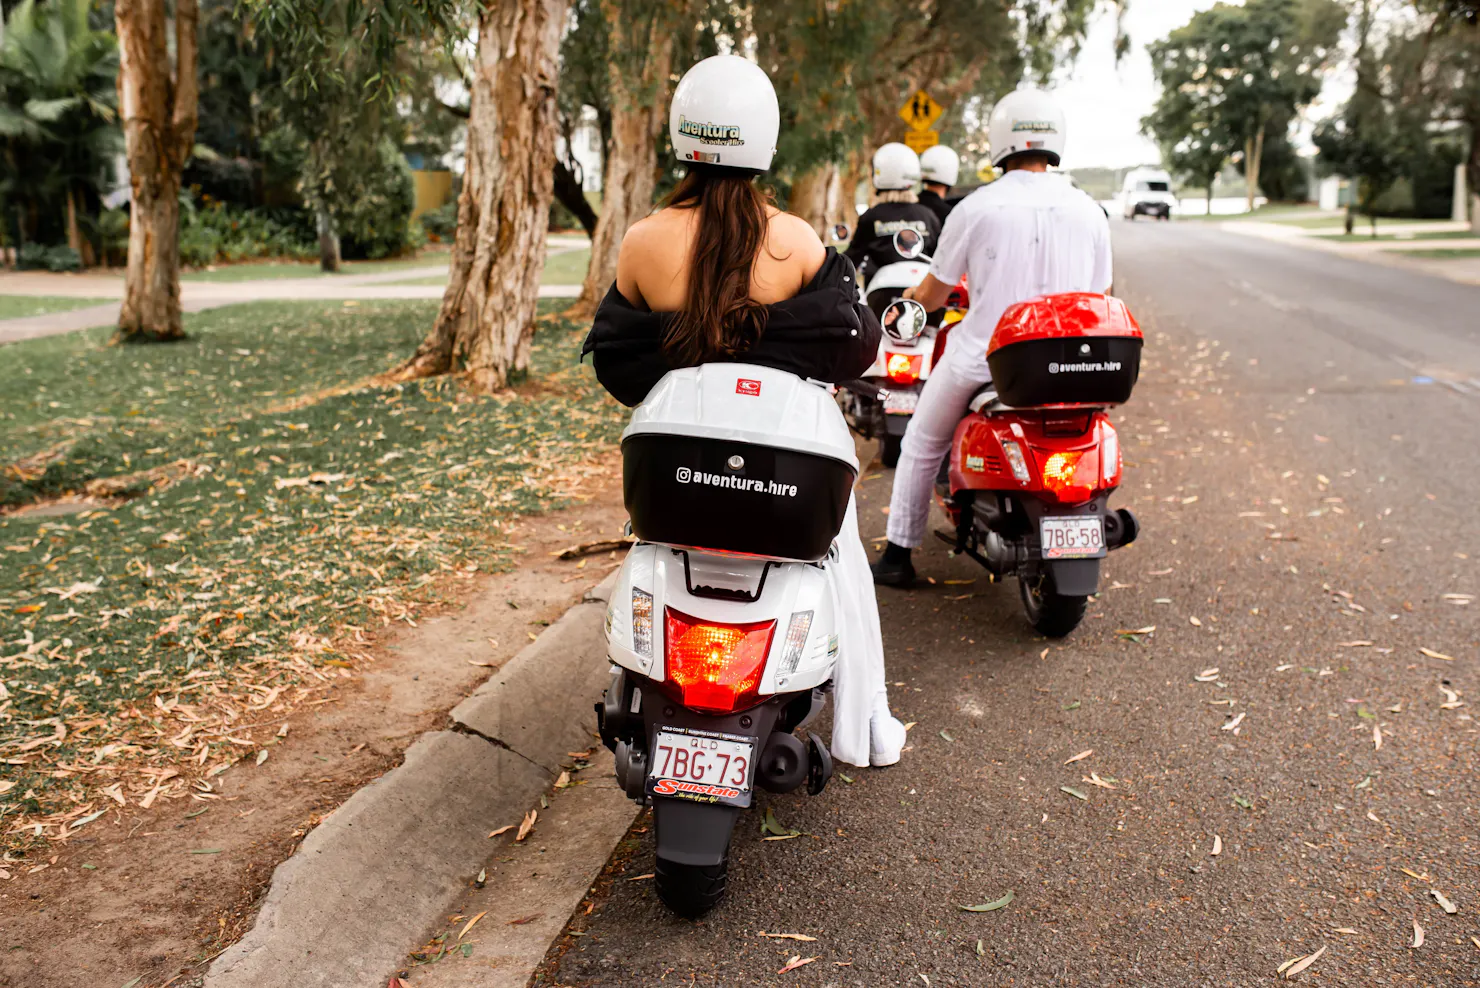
{"points": [[1207, 675], [1094, 779], [1302, 963], [527, 824], [1376, 738], [1196, 623], [638, 878], [1080, 757], [1217, 847], [563, 780], [1444, 902], [1413, 874], [1436, 655], [1417, 935], [471, 923], [501, 830], [1233, 724], [524, 919], [796, 961], [787, 936], [1345, 929]]}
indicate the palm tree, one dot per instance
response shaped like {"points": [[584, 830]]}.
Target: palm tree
{"points": [[58, 99]]}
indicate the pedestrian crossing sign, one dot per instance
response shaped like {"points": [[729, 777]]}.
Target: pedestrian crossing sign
{"points": [[920, 111]]}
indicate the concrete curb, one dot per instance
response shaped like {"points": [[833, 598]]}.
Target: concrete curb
{"points": [[374, 876]]}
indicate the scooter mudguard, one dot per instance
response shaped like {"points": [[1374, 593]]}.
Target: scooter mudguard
{"points": [[895, 425], [693, 833], [1075, 577]]}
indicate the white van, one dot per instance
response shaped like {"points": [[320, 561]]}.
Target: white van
{"points": [[1148, 192]]}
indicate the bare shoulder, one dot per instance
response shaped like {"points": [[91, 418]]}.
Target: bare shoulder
{"points": [[791, 235]]}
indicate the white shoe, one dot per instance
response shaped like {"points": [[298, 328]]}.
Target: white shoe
{"points": [[886, 739]]}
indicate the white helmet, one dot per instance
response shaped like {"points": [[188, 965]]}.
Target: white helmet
{"points": [[725, 113], [895, 167], [1026, 120], [940, 164]]}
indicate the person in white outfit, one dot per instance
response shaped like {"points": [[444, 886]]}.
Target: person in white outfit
{"points": [[1027, 234], [719, 274]]}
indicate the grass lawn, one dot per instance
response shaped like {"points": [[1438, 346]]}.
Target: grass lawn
{"points": [[1449, 254], [278, 511], [1357, 238], [1296, 215], [21, 306], [259, 271], [565, 268]]}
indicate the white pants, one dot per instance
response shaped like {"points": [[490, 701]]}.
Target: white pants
{"points": [[943, 402], [859, 688]]}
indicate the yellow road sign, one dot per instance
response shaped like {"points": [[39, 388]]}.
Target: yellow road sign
{"points": [[919, 140], [920, 111]]}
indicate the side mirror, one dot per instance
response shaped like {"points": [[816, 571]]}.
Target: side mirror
{"points": [[904, 320], [908, 244], [841, 232]]}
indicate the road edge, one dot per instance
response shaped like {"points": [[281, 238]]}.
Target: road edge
{"points": [[385, 866]]}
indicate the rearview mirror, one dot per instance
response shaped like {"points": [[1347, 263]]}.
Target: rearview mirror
{"points": [[908, 244], [904, 320]]}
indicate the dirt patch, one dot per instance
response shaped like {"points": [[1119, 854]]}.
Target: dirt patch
{"points": [[154, 894]]}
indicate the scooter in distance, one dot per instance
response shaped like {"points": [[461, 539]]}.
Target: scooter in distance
{"points": [[721, 629], [1034, 462], [907, 352]]}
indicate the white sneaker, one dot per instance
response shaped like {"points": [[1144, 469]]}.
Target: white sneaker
{"points": [[886, 739]]}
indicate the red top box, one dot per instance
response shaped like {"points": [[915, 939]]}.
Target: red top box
{"points": [[1077, 348]]}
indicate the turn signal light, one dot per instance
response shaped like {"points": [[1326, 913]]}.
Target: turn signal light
{"points": [[904, 368], [714, 668], [1060, 471]]}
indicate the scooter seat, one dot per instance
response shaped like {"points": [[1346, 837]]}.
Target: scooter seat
{"points": [[985, 399]]}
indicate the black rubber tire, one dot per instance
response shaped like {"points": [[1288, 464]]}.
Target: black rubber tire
{"points": [[691, 890], [1052, 614], [889, 447]]}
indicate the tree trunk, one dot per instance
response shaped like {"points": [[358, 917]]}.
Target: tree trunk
{"points": [[328, 240], [570, 194], [1257, 164], [639, 114], [486, 321], [74, 234], [809, 194], [158, 110]]}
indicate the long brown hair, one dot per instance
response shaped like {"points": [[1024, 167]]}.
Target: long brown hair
{"points": [[719, 318]]}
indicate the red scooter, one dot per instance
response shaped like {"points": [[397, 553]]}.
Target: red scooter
{"points": [[1035, 460]]}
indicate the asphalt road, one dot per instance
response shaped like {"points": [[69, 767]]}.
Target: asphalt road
{"points": [[1301, 451]]}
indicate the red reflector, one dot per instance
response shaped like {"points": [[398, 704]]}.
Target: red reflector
{"points": [[1060, 475], [904, 368], [714, 668]]}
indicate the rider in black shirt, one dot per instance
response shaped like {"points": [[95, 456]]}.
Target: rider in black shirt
{"points": [[896, 170]]}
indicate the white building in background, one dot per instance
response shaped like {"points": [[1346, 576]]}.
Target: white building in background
{"points": [[585, 148]]}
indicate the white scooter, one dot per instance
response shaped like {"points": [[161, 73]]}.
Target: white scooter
{"points": [[722, 628], [906, 353]]}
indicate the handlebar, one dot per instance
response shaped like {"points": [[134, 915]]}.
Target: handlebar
{"points": [[864, 389]]}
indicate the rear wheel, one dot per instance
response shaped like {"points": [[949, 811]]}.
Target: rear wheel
{"points": [[1051, 613], [691, 890], [889, 447]]}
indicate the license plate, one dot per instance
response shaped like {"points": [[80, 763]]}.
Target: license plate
{"points": [[701, 765], [901, 403], [1072, 538]]}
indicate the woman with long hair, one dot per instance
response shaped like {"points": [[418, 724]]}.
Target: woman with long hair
{"points": [[719, 274]]}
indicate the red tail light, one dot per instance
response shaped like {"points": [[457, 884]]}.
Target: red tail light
{"points": [[904, 368], [1061, 474], [714, 668]]}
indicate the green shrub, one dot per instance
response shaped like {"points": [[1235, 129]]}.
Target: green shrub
{"points": [[112, 230], [40, 257], [376, 222], [211, 230], [441, 223]]}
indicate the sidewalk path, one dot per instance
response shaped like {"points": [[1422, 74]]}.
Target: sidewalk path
{"points": [[1393, 253], [196, 296]]}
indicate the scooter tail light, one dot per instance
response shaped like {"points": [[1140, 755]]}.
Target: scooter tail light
{"points": [[642, 623], [1061, 475], [1016, 461], [795, 643], [712, 667], [904, 368]]}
